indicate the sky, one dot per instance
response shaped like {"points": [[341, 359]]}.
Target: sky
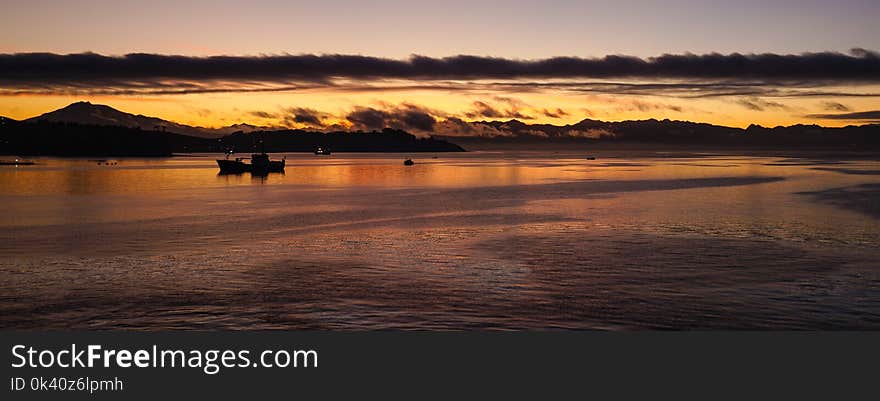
{"points": [[827, 91]]}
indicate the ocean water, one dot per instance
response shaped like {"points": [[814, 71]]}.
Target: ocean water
{"points": [[480, 240]]}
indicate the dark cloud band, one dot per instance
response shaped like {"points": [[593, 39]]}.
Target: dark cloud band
{"points": [[28, 70], [873, 115]]}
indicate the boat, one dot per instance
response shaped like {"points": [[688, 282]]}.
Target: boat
{"points": [[591, 157], [17, 162], [408, 162], [260, 164], [322, 151]]}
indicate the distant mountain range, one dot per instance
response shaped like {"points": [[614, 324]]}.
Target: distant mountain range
{"points": [[670, 133], [480, 134], [85, 129], [98, 114]]}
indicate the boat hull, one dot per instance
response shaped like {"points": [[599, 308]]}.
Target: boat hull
{"points": [[239, 167]]}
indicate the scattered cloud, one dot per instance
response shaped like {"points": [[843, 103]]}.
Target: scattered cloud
{"points": [[454, 126], [834, 106], [677, 88], [511, 102], [263, 114], [758, 104], [624, 104], [405, 116], [558, 113], [484, 110], [202, 112], [304, 116], [872, 115], [644, 106]]}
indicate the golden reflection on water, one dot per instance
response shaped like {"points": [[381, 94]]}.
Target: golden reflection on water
{"points": [[73, 176], [181, 186], [151, 177], [59, 176]]}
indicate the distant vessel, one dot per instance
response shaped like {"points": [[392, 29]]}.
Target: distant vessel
{"points": [[17, 162], [408, 162], [260, 164], [322, 151], [591, 157]]}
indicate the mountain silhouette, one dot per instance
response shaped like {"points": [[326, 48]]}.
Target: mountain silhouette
{"points": [[669, 133], [43, 137], [90, 127], [98, 114]]}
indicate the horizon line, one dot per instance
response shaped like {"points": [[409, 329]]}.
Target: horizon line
{"points": [[867, 122]]}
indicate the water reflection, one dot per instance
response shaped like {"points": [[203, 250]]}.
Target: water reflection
{"points": [[478, 240]]}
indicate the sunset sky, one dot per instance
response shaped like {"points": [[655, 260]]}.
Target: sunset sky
{"points": [[730, 63]]}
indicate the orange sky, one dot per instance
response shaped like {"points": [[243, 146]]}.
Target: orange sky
{"points": [[221, 109], [397, 29]]}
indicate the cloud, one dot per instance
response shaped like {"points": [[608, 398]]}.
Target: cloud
{"points": [[834, 106], [418, 120], [118, 88], [688, 89], [411, 117], [262, 114], [628, 104], [681, 88], [202, 112], [485, 110], [47, 71], [405, 116], [872, 115], [454, 126], [558, 113], [367, 118], [648, 106], [304, 116], [757, 104], [511, 101]]}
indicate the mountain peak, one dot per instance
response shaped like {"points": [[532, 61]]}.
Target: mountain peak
{"points": [[82, 104], [84, 112]]}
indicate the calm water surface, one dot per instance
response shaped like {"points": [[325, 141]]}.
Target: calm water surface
{"points": [[482, 240]]}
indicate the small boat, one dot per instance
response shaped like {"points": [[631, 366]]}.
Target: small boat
{"points": [[17, 162], [260, 164], [322, 151], [408, 162], [591, 157]]}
